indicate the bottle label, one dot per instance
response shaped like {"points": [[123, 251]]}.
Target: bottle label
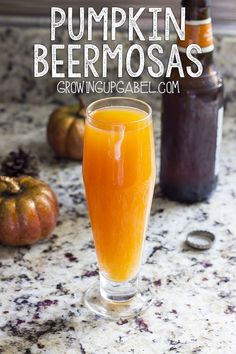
{"points": [[219, 139], [198, 32]]}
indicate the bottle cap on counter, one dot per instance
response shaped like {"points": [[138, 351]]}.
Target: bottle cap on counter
{"points": [[200, 239]]}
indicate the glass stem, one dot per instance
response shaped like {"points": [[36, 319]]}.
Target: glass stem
{"points": [[118, 291]]}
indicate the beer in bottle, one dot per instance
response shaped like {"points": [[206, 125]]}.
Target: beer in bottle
{"points": [[192, 119]]}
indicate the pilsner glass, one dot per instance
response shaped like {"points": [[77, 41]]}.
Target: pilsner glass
{"points": [[119, 177]]}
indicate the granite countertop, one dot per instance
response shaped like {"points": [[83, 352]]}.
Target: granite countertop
{"points": [[42, 286]]}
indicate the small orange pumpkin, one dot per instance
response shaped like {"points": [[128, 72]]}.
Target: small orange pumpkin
{"points": [[28, 210], [65, 131]]}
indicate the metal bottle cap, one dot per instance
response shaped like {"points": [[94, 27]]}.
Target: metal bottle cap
{"points": [[200, 239]]}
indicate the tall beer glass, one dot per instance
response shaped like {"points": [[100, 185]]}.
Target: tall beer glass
{"points": [[119, 178]]}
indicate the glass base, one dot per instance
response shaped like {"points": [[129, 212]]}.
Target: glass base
{"points": [[115, 310]]}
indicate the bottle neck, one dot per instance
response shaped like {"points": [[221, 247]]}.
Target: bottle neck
{"points": [[198, 29], [197, 10]]}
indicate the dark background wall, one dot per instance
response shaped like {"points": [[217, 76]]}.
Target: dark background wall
{"points": [[223, 11]]}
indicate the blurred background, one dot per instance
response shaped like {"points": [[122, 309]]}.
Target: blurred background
{"points": [[223, 12]]}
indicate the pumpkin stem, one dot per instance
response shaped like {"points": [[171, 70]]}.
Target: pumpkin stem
{"points": [[81, 109], [81, 102], [12, 185]]}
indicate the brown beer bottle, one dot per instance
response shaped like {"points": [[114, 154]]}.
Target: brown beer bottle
{"points": [[192, 119]]}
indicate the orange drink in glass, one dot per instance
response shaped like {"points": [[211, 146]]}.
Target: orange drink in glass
{"points": [[119, 177]]}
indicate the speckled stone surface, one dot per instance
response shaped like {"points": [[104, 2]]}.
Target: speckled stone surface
{"points": [[42, 286]]}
